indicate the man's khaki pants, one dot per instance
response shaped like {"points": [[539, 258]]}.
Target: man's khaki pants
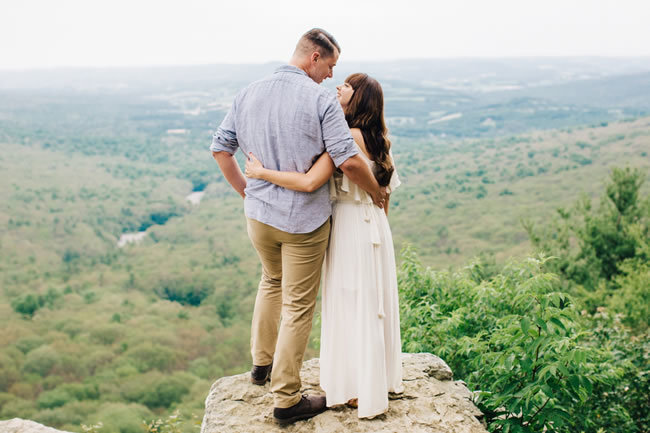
{"points": [[291, 271]]}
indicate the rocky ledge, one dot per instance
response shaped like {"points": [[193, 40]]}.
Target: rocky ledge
{"points": [[432, 402], [18, 425]]}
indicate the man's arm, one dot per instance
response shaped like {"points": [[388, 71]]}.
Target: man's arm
{"points": [[224, 145], [358, 171], [345, 154], [231, 171]]}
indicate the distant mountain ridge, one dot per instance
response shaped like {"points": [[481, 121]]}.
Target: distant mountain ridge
{"points": [[456, 98], [416, 71]]}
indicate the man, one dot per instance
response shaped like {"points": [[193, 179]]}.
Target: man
{"points": [[287, 120]]}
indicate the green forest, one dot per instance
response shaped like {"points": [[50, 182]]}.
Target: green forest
{"points": [[523, 255], [557, 341]]}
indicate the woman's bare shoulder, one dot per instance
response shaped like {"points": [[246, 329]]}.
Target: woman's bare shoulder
{"points": [[358, 138]]}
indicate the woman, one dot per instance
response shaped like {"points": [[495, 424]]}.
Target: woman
{"points": [[360, 360]]}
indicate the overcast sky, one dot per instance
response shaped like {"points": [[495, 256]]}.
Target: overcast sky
{"points": [[53, 33]]}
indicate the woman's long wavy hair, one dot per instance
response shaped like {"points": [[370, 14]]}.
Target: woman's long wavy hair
{"points": [[366, 112]]}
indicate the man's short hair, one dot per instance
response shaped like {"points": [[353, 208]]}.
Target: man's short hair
{"points": [[318, 40]]}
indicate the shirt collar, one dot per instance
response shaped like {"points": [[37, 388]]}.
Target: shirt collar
{"points": [[291, 68]]}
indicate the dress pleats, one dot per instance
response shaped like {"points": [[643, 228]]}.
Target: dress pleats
{"points": [[360, 334]]}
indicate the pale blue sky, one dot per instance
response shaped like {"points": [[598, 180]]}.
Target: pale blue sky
{"points": [[52, 33]]}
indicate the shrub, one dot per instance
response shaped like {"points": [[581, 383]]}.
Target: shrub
{"points": [[70, 256], [17, 408], [121, 418], [41, 361], [156, 390], [50, 298], [158, 218], [107, 334], [580, 159], [183, 290], [482, 192], [631, 294], [64, 394], [90, 297], [506, 191], [203, 368], [515, 339], [523, 171], [27, 344], [594, 244], [52, 399], [26, 305], [71, 327], [225, 308], [5, 397], [167, 391], [52, 381], [98, 358], [148, 356], [80, 391], [72, 414], [623, 405], [9, 373]]}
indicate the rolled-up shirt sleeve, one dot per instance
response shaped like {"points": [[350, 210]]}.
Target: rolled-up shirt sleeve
{"points": [[336, 133], [225, 138]]}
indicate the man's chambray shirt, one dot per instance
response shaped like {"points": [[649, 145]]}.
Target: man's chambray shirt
{"points": [[286, 120]]}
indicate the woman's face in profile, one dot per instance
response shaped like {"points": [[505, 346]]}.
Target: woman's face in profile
{"points": [[344, 93]]}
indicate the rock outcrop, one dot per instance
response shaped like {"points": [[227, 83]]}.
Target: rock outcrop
{"points": [[18, 425], [432, 402]]}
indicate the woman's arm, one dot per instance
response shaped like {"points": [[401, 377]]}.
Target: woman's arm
{"points": [[317, 175]]}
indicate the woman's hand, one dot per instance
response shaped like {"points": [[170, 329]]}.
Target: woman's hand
{"points": [[253, 167]]}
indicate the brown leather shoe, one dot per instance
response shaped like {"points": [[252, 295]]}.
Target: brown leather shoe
{"points": [[261, 375], [307, 407]]}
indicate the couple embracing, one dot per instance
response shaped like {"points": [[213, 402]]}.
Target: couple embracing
{"points": [[320, 173]]}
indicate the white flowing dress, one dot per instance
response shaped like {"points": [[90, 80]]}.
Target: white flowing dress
{"points": [[360, 354]]}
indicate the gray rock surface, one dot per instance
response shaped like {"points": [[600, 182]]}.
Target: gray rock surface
{"points": [[18, 425], [432, 402]]}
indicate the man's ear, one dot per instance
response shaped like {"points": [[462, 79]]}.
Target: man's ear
{"points": [[315, 56]]}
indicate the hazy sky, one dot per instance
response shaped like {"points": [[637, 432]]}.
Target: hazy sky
{"points": [[51, 33]]}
